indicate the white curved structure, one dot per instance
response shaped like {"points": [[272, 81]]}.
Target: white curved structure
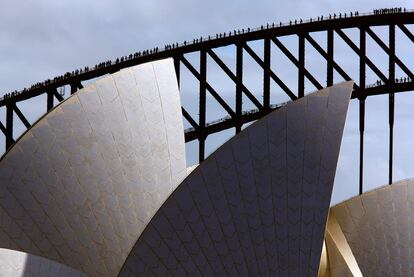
{"points": [[81, 185], [378, 227], [92, 188], [258, 205]]}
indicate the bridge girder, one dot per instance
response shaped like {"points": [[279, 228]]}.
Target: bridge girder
{"points": [[201, 129]]}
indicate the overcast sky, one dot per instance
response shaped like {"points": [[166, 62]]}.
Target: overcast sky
{"points": [[41, 39]]}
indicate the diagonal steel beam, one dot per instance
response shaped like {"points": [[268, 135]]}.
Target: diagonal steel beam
{"points": [[21, 116], [406, 32], [292, 58], [75, 86], [388, 51], [57, 95], [190, 120], [272, 74], [326, 56], [364, 57], [234, 78], [3, 129], [208, 87], [50, 97]]}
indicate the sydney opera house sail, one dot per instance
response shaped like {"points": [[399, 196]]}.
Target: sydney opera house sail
{"points": [[81, 185], [378, 226], [257, 205], [107, 182], [99, 186]]}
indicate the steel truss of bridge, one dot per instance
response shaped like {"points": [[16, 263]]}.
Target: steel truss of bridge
{"points": [[269, 36]]}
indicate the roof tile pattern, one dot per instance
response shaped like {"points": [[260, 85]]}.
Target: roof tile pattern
{"points": [[256, 206], [378, 227], [81, 185]]}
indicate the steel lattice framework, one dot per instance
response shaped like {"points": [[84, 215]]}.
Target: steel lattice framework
{"points": [[269, 37]]}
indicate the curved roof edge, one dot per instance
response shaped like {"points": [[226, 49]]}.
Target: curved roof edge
{"points": [[377, 226], [83, 182], [258, 204], [20, 264]]}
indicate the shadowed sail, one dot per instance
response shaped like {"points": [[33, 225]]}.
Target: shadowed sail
{"points": [[257, 205]]}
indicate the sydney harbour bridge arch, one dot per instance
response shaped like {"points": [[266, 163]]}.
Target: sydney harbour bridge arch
{"points": [[269, 36], [396, 78]]}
